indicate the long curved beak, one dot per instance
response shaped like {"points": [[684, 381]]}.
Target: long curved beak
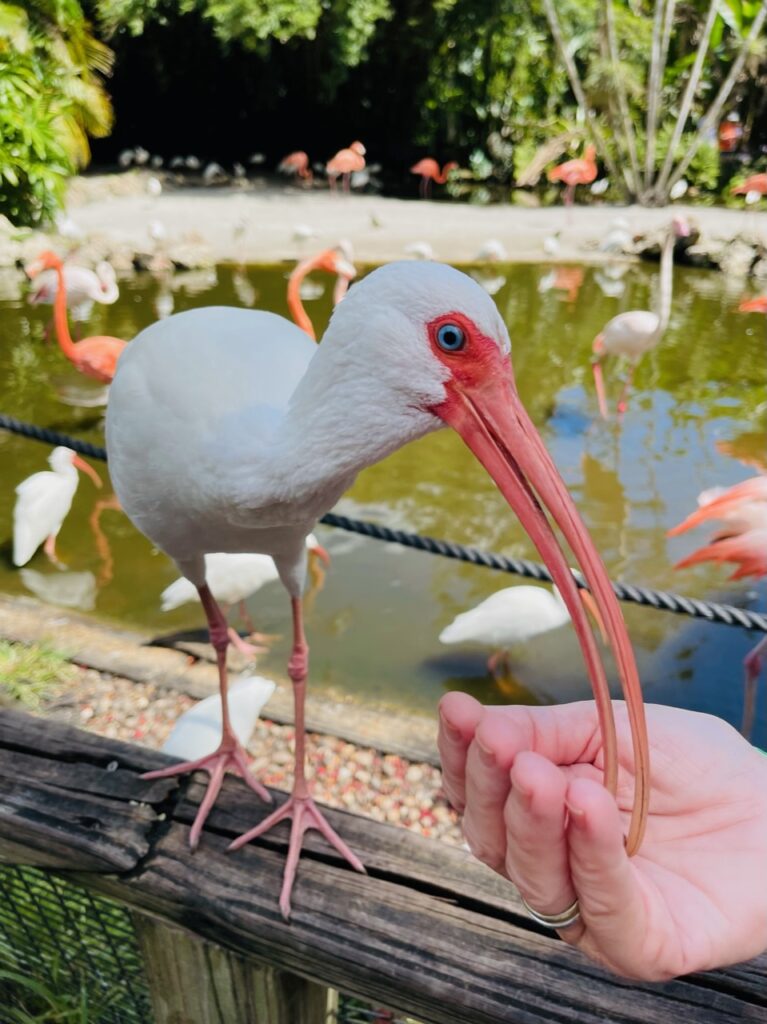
{"points": [[492, 421], [87, 469]]}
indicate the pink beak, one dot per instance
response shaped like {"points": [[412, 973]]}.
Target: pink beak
{"points": [[87, 469], [488, 414]]}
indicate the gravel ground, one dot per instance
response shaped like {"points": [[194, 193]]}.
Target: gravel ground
{"points": [[381, 786]]}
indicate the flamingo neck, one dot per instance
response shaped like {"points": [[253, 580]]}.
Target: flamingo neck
{"points": [[666, 281], [296, 307], [60, 321], [108, 294]]}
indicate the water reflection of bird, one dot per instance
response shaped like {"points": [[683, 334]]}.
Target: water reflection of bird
{"points": [[344, 163], [230, 430], [66, 589], [508, 617], [97, 356], [571, 173], [232, 579], [334, 261], [43, 501], [428, 171], [563, 279], [636, 331], [755, 305], [743, 541]]}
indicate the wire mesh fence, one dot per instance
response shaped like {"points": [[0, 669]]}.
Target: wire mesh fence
{"points": [[70, 956]]}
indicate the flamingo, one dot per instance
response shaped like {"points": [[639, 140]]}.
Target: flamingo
{"points": [[575, 172], [232, 579], [511, 616], [754, 183], [428, 168], [334, 261], [743, 540], [346, 162], [637, 331], [96, 357], [43, 501], [296, 165], [230, 430], [82, 286]]}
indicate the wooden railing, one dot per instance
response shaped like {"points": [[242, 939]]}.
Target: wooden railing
{"points": [[428, 931]]}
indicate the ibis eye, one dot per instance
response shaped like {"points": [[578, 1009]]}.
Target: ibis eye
{"points": [[451, 338]]}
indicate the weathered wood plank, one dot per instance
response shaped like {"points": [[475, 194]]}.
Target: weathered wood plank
{"points": [[60, 809], [193, 980], [439, 961]]}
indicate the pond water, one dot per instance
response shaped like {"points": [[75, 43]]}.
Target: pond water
{"points": [[698, 409]]}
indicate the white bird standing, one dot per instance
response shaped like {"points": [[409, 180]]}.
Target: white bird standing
{"points": [[232, 579], [197, 732], [43, 501], [637, 331], [231, 430]]}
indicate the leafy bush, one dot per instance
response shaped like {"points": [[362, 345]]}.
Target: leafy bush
{"points": [[51, 98]]}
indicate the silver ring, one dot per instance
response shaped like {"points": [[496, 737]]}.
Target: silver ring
{"points": [[561, 920]]}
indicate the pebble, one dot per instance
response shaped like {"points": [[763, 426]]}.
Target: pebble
{"points": [[385, 787]]}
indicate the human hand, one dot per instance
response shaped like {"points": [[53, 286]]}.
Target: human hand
{"points": [[528, 780]]}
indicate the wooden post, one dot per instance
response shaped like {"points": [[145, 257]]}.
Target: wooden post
{"points": [[192, 981]]}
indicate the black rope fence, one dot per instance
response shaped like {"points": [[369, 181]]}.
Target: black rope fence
{"points": [[661, 600]]}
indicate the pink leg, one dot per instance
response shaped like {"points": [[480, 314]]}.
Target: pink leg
{"points": [[299, 807], [623, 401], [249, 650], [230, 753], [50, 550], [599, 384], [752, 664]]}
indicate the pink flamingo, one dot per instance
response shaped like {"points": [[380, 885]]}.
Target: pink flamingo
{"points": [[757, 305], [333, 261], [297, 165], [97, 356], [637, 331], [576, 172], [743, 540], [754, 183], [429, 170], [345, 163]]}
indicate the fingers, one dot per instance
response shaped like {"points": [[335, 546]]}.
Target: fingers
{"points": [[489, 759], [536, 841], [609, 892], [459, 715]]}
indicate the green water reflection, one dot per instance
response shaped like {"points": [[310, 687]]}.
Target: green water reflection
{"points": [[373, 628]]}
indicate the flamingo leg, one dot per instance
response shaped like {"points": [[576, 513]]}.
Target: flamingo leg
{"points": [[50, 550], [623, 401], [230, 753], [299, 807], [752, 665]]}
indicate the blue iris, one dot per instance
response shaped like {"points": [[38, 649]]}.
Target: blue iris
{"points": [[451, 338]]}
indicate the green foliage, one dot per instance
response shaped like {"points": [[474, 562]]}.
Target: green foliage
{"points": [[29, 1000], [30, 674], [51, 99]]}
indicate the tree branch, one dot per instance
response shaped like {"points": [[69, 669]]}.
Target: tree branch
{"points": [[627, 127], [653, 91]]}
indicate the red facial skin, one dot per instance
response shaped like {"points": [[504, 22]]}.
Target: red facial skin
{"points": [[482, 405]]}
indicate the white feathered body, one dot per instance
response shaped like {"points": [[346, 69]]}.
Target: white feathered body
{"points": [[631, 334], [198, 731], [42, 503], [508, 617], [82, 286]]}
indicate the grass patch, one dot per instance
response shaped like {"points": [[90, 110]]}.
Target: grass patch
{"points": [[31, 674]]}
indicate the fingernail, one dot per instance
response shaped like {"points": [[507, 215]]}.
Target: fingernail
{"points": [[576, 814], [486, 756], [451, 731]]}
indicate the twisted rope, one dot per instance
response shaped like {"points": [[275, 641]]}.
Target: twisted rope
{"points": [[662, 600]]}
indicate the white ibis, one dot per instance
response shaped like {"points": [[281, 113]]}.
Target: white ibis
{"points": [[232, 579], [511, 616], [637, 331], [197, 732], [43, 501], [231, 430]]}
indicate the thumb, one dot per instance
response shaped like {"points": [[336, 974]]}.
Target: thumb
{"points": [[609, 889]]}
